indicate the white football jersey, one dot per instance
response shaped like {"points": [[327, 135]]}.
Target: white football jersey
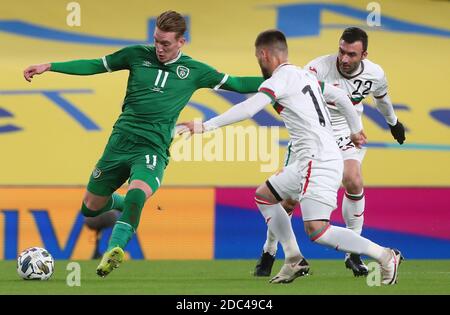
{"points": [[296, 95], [368, 79]]}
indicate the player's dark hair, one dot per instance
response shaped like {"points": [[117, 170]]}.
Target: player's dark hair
{"points": [[171, 21], [354, 34], [272, 39]]}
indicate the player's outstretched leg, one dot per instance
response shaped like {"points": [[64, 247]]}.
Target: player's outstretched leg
{"points": [[348, 241], [123, 230], [345, 240]]}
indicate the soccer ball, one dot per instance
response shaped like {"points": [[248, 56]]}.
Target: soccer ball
{"points": [[35, 263]]}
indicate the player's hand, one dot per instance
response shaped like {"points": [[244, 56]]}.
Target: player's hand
{"points": [[192, 127], [29, 72], [398, 132], [359, 139]]}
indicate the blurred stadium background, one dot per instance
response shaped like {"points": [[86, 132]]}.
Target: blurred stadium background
{"points": [[53, 131]]}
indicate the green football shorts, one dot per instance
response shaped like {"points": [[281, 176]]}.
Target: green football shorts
{"points": [[126, 157]]}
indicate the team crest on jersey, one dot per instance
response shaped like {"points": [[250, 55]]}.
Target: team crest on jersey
{"points": [[96, 173], [182, 72]]}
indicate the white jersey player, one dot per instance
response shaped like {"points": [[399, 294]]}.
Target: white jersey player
{"points": [[350, 71], [368, 79], [315, 176]]}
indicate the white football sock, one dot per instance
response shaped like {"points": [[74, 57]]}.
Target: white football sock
{"points": [[271, 244], [348, 241], [353, 211], [280, 225]]}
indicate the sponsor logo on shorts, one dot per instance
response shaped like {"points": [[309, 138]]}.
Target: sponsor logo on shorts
{"points": [[96, 173]]}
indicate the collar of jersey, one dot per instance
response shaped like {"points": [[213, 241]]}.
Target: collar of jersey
{"points": [[173, 60], [283, 64], [352, 76]]}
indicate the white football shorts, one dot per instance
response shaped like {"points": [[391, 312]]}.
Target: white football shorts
{"points": [[312, 179], [348, 149]]}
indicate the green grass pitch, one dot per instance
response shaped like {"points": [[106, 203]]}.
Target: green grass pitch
{"points": [[225, 277]]}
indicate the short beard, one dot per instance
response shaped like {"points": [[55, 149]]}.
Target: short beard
{"points": [[265, 74], [350, 71]]}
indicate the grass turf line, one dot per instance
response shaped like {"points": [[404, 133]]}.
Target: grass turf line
{"points": [[225, 277]]}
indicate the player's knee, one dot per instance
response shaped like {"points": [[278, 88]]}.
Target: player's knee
{"points": [[264, 195], [88, 212], [309, 228], [289, 205], [93, 202], [261, 189], [315, 229], [103, 221], [141, 185], [353, 183]]}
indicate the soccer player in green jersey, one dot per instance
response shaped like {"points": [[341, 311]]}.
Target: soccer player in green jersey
{"points": [[162, 80]]}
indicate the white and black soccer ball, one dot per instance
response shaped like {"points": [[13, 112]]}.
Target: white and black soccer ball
{"points": [[35, 263]]}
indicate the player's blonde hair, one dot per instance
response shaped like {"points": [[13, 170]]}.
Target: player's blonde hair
{"points": [[171, 21]]}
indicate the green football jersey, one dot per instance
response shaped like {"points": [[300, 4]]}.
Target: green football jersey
{"points": [[157, 92]]}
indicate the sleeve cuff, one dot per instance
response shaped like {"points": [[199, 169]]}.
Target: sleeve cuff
{"points": [[208, 126], [269, 93], [224, 79], [381, 96], [391, 120], [105, 64]]}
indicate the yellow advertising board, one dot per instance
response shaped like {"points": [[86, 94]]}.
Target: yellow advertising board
{"points": [[53, 130]]}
